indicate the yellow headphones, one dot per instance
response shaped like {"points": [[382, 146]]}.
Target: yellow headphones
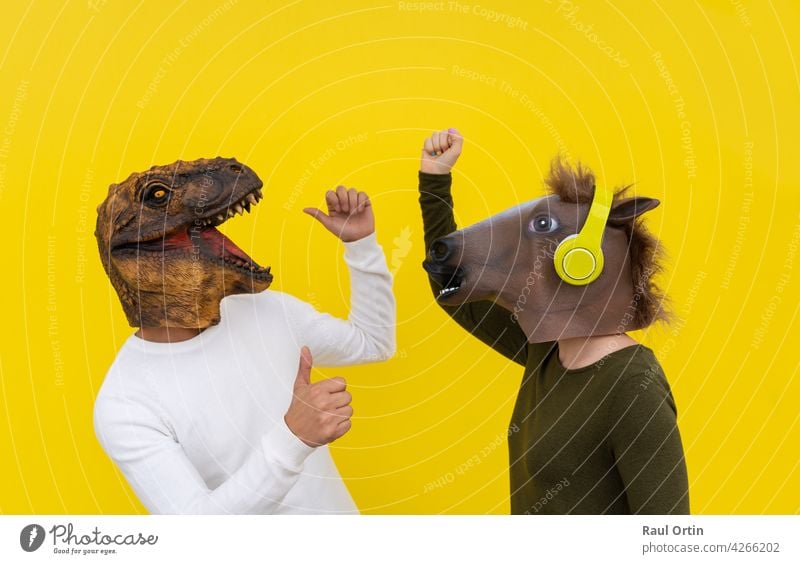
{"points": [[579, 258]]}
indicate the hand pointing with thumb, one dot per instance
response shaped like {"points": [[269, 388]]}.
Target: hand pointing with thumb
{"points": [[349, 214], [319, 413]]}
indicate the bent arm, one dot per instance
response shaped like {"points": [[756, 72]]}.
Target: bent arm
{"points": [[486, 320], [368, 333], [647, 447], [166, 481]]}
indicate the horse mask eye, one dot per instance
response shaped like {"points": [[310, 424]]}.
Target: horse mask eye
{"points": [[543, 224]]}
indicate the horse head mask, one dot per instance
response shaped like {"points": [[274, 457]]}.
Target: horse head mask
{"points": [[575, 263]]}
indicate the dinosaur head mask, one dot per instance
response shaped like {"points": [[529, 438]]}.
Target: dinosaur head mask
{"points": [[509, 258], [156, 232]]}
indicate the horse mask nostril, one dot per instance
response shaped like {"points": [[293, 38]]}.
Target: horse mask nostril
{"points": [[236, 168]]}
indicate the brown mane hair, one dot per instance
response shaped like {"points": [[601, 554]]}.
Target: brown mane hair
{"points": [[576, 185]]}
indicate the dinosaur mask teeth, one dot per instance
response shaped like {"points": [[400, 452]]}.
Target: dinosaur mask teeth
{"points": [[239, 207]]}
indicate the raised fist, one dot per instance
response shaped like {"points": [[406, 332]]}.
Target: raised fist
{"points": [[441, 151]]}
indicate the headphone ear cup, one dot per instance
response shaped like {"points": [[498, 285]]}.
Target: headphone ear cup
{"points": [[558, 258], [576, 263]]}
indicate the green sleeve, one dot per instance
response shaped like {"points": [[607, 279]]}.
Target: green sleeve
{"points": [[486, 320], [647, 445]]}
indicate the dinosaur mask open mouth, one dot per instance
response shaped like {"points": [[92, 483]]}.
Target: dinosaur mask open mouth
{"points": [[204, 242], [230, 254]]}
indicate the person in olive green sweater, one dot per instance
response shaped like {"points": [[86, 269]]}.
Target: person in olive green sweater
{"points": [[594, 428]]}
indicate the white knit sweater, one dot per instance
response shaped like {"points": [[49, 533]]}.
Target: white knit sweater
{"points": [[197, 426]]}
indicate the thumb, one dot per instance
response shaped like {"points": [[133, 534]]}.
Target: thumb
{"points": [[304, 371], [456, 140], [320, 216]]}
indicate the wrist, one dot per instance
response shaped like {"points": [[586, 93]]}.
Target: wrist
{"points": [[435, 170], [281, 445], [288, 425], [361, 241], [353, 239]]}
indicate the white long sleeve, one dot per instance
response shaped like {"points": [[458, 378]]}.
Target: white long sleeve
{"points": [[368, 334], [197, 426], [166, 481]]}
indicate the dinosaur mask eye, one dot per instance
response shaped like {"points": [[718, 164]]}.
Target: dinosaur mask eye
{"points": [[156, 195]]}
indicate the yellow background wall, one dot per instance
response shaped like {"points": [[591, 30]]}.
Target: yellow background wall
{"points": [[697, 102]]}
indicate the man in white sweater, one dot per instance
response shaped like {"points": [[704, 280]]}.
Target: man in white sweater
{"points": [[208, 407]]}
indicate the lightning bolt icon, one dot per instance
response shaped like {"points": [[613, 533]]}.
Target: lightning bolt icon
{"points": [[34, 534]]}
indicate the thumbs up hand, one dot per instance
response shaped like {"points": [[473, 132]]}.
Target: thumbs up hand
{"points": [[319, 413]]}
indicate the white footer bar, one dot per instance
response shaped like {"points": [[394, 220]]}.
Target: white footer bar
{"points": [[401, 539]]}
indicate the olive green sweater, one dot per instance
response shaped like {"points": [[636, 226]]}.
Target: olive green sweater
{"points": [[599, 439]]}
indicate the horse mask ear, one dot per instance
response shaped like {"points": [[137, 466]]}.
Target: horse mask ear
{"points": [[628, 209]]}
